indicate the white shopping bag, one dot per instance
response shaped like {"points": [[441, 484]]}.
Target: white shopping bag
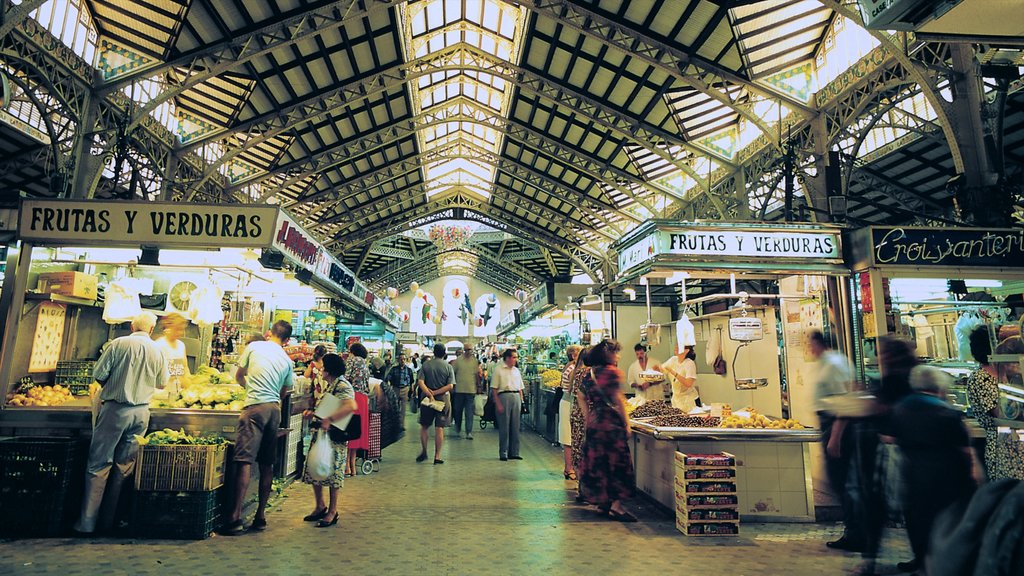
{"points": [[320, 464]]}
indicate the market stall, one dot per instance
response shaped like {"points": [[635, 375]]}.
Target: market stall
{"points": [[546, 328], [80, 277], [935, 286], [748, 294]]}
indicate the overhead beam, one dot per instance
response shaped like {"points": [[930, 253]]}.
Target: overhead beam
{"points": [[196, 67], [459, 110], [511, 196], [362, 258], [509, 167], [460, 57], [13, 14], [550, 261], [698, 74], [461, 206]]}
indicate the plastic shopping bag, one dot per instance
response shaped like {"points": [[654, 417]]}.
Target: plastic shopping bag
{"points": [[321, 458]]}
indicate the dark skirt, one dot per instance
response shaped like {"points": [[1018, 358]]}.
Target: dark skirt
{"points": [[606, 473]]}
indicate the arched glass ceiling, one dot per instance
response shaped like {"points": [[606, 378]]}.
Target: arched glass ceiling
{"points": [[438, 25]]}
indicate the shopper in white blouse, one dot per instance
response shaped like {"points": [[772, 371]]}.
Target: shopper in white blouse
{"points": [[507, 388]]}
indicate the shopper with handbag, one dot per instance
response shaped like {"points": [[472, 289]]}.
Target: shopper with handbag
{"points": [[606, 476], [334, 383], [507, 388], [436, 381]]}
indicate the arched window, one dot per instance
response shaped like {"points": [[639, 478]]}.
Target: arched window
{"points": [[458, 309], [486, 315]]}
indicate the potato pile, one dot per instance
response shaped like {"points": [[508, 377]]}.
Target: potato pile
{"points": [[41, 396]]}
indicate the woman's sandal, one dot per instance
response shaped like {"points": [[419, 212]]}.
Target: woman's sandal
{"points": [[621, 517], [325, 523], [317, 515], [570, 475]]}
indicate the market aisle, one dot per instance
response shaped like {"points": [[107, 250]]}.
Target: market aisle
{"points": [[471, 515]]}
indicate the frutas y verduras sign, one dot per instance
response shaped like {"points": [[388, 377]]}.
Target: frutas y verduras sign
{"points": [[133, 224], [757, 245]]}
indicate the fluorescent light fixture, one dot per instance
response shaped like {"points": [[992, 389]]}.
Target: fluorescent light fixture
{"points": [[591, 299]]}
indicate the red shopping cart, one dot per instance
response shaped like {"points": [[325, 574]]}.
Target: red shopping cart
{"points": [[367, 446]]}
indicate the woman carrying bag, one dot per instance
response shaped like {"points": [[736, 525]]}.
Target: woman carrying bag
{"points": [[334, 383]]}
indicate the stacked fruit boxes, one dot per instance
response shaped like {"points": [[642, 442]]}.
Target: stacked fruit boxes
{"points": [[177, 492], [706, 499]]}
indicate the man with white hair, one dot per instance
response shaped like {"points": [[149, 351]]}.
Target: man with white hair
{"points": [[129, 370], [937, 457]]}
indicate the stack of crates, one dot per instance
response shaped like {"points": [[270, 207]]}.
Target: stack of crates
{"points": [[706, 499], [35, 479], [75, 375], [176, 491]]}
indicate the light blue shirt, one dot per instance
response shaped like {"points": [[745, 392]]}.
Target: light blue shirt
{"points": [[131, 369], [268, 370]]}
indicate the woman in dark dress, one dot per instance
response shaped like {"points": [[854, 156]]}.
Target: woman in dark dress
{"points": [[606, 477]]}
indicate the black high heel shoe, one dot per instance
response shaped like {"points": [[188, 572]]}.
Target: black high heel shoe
{"points": [[318, 515], [325, 523]]}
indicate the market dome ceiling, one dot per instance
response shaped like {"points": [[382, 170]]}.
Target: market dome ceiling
{"points": [[548, 128]]}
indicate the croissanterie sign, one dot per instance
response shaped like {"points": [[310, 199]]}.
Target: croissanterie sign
{"points": [[133, 224]]}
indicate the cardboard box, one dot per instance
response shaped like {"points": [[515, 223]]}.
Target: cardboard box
{"points": [[75, 284]]}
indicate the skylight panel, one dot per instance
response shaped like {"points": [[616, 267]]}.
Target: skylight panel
{"points": [[492, 27]]}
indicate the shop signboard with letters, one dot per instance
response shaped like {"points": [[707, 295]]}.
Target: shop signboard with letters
{"points": [[135, 224], [956, 247], [699, 241]]}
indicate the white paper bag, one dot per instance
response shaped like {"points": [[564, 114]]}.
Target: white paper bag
{"points": [[328, 405]]}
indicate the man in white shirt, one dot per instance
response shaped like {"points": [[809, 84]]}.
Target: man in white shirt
{"points": [[265, 371], [507, 388], [833, 376], [635, 386], [130, 370]]}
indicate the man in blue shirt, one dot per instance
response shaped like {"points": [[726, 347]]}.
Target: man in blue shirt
{"points": [[130, 369], [401, 377], [265, 371]]}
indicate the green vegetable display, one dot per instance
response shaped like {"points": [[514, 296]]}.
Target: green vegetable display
{"points": [[168, 437]]}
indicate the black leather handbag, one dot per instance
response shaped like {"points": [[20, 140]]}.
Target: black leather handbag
{"points": [[353, 431]]}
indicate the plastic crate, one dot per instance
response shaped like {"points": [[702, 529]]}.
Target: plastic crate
{"points": [[75, 375], [176, 515], [181, 468], [35, 474], [38, 463]]}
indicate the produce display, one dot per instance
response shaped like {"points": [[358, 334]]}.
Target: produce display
{"points": [[168, 437], [760, 421], [207, 389], [40, 396], [651, 409], [684, 421], [551, 378]]}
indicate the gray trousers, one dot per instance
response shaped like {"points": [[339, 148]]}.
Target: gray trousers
{"points": [[508, 424], [463, 409], [113, 446]]}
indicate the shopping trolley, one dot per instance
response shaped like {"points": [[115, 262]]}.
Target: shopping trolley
{"points": [[367, 446]]}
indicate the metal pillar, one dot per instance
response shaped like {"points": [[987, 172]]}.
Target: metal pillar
{"points": [[980, 199]]}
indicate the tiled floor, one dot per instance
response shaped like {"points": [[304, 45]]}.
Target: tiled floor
{"points": [[472, 515]]}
